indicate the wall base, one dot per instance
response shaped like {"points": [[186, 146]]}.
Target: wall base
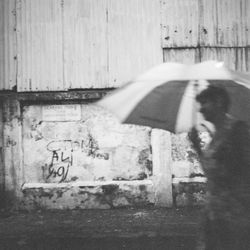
{"points": [[87, 195]]}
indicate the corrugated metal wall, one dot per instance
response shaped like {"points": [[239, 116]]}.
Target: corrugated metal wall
{"points": [[192, 23], [85, 44], [134, 41], [224, 23], [71, 44], [207, 29], [7, 44], [107, 42], [180, 23], [234, 58], [40, 45]]}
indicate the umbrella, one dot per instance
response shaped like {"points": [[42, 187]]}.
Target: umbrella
{"points": [[164, 96]]}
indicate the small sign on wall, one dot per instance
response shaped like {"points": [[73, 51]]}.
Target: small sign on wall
{"points": [[61, 112]]}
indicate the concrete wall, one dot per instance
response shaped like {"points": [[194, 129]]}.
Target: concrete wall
{"points": [[76, 155], [59, 155], [75, 142]]}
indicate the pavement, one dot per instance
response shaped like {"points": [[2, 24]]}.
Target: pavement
{"points": [[130, 228]]}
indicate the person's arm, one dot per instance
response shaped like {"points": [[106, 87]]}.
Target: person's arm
{"points": [[193, 136]]}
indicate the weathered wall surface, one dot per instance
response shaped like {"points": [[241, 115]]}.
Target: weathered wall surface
{"points": [[82, 143], [89, 195], [8, 44], [85, 44], [188, 183], [207, 29], [2, 177], [77, 155], [55, 45]]}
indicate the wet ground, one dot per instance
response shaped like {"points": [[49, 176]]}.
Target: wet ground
{"points": [[132, 229]]}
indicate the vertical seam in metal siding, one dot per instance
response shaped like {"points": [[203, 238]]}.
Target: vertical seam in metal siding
{"points": [[107, 36], [15, 29], [63, 47]]}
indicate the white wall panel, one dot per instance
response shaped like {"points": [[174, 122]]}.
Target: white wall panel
{"points": [[189, 23], [180, 23], [85, 43], [2, 78], [7, 44], [40, 48], [234, 58], [134, 37], [71, 44], [224, 22], [181, 55]]}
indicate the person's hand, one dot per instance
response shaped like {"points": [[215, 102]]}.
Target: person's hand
{"points": [[193, 136]]}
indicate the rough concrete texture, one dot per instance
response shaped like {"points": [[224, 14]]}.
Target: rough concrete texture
{"points": [[87, 144], [189, 192], [185, 161], [113, 229], [189, 183], [1, 157], [88, 195], [64, 145]]}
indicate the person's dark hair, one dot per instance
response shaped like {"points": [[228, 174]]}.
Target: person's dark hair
{"points": [[215, 93]]}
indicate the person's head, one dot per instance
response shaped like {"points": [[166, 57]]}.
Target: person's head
{"points": [[214, 102]]}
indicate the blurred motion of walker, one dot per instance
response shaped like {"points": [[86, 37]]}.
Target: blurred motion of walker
{"points": [[164, 96]]}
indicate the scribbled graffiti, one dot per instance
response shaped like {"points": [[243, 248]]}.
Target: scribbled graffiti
{"points": [[62, 155], [90, 147], [59, 166]]}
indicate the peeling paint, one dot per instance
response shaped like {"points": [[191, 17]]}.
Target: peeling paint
{"points": [[96, 147]]}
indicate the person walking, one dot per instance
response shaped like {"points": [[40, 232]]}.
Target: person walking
{"points": [[226, 164]]}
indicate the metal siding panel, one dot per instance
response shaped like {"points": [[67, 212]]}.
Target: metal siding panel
{"points": [[205, 22], [85, 44], [22, 45], [247, 17], [224, 23], [248, 59], [234, 58], [188, 56], [40, 45], [242, 59], [2, 78], [230, 23], [180, 23], [134, 38], [208, 21], [7, 45]]}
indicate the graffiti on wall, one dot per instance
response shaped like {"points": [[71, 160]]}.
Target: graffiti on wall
{"points": [[62, 155]]}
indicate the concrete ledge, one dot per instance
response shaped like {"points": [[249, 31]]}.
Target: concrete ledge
{"points": [[52, 96], [87, 195], [84, 184], [189, 180]]}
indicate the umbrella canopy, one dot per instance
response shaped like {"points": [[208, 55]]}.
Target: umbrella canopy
{"points": [[164, 96]]}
